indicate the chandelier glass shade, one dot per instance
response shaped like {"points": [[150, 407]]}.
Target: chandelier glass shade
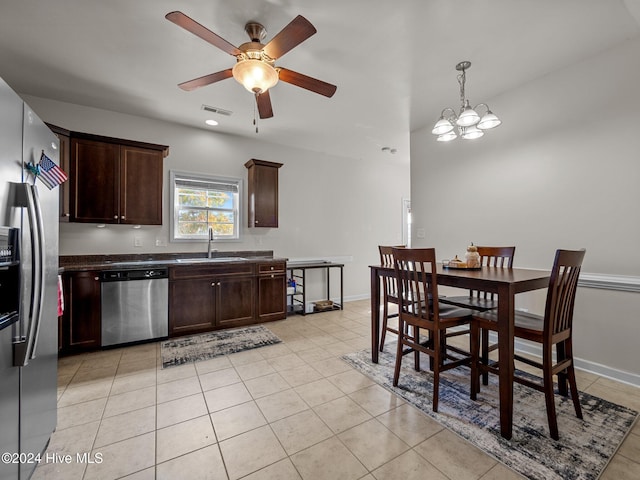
{"points": [[468, 123], [255, 74]]}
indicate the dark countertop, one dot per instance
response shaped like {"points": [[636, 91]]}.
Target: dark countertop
{"points": [[75, 263]]}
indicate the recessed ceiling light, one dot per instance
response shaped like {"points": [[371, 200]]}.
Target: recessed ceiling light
{"points": [[211, 122]]}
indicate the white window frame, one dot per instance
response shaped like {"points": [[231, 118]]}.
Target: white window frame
{"points": [[176, 176]]}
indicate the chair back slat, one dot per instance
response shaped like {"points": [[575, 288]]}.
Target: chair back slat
{"points": [[501, 257], [561, 295]]}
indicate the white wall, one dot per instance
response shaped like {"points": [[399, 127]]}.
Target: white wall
{"points": [[563, 171], [330, 207]]}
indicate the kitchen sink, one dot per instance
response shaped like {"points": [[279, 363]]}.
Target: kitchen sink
{"points": [[209, 260]]}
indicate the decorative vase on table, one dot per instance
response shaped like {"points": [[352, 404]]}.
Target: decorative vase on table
{"points": [[472, 256]]}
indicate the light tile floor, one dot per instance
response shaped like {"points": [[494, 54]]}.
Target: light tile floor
{"points": [[288, 411]]}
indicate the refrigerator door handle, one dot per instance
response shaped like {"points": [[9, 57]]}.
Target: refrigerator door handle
{"points": [[25, 348]]}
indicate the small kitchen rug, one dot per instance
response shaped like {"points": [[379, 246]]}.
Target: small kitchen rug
{"points": [[585, 446], [209, 345]]}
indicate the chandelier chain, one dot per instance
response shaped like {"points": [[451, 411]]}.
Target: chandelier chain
{"points": [[461, 80]]}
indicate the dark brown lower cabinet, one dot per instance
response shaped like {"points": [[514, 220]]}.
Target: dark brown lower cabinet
{"points": [[210, 298], [192, 304], [235, 298], [201, 298], [80, 326], [272, 289]]}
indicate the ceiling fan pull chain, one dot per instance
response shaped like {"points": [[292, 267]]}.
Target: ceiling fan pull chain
{"points": [[255, 114]]}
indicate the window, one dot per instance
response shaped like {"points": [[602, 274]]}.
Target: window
{"points": [[202, 202]]}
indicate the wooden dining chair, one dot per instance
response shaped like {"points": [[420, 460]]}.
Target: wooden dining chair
{"points": [[497, 257], [389, 292], [417, 280], [553, 329]]}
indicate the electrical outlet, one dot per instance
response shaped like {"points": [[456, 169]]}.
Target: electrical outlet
{"points": [[160, 243], [421, 233], [137, 241]]}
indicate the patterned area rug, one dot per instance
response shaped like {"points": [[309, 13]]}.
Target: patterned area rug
{"points": [[209, 345], [583, 451]]}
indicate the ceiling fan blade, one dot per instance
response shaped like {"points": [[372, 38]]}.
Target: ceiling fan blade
{"points": [[204, 33], [264, 105], [290, 36], [308, 83], [206, 80]]}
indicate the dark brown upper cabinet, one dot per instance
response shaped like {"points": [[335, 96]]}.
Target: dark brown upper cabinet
{"points": [[115, 180], [263, 193], [64, 136]]}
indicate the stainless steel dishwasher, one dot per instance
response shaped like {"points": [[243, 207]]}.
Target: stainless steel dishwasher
{"points": [[135, 305]]}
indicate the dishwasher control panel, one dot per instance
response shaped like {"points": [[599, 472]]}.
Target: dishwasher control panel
{"points": [[140, 274]]}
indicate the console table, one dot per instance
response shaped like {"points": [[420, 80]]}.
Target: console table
{"points": [[298, 272]]}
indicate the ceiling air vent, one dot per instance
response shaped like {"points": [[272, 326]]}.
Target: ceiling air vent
{"points": [[217, 110]]}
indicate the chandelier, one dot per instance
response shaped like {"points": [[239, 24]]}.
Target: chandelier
{"points": [[468, 123]]}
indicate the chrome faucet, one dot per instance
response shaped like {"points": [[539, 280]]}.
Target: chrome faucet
{"points": [[209, 251]]}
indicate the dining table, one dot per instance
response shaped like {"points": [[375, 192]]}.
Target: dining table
{"points": [[506, 283]]}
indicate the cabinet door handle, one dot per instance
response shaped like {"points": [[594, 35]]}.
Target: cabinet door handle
{"points": [[213, 284], [122, 217], [96, 278], [115, 217]]}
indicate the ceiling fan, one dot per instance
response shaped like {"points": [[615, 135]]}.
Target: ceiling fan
{"points": [[255, 62]]}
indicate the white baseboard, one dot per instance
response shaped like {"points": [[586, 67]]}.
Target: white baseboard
{"points": [[581, 364]]}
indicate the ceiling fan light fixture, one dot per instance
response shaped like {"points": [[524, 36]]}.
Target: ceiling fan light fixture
{"points": [[257, 76]]}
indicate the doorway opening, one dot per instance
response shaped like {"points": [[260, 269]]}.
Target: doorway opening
{"points": [[406, 222]]}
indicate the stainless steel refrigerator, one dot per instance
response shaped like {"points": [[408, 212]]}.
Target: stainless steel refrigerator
{"points": [[28, 289]]}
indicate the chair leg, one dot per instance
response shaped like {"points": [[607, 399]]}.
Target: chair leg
{"points": [[571, 375], [436, 368], [475, 376], [416, 353], [396, 371], [430, 340], [549, 394], [485, 355], [562, 376], [385, 317]]}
